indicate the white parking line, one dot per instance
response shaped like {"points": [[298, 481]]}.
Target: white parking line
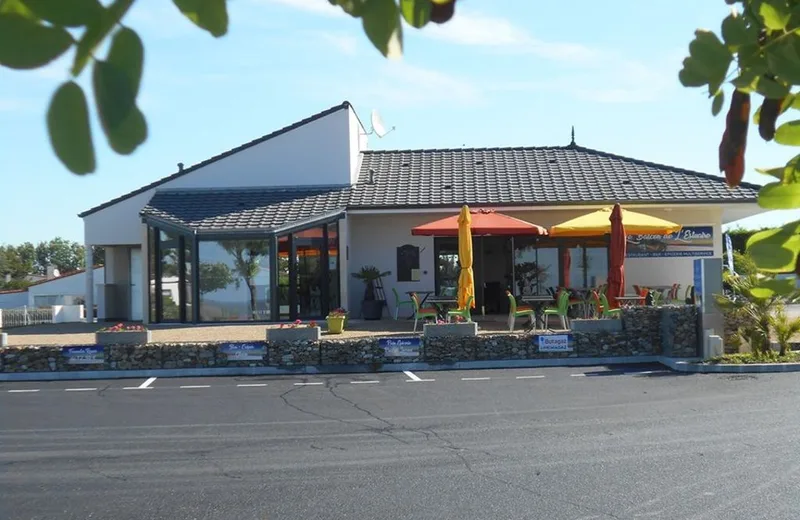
{"points": [[252, 384], [530, 377], [411, 375], [309, 384], [475, 378], [196, 386], [25, 391], [147, 383], [578, 375], [137, 388], [363, 382], [80, 389]]}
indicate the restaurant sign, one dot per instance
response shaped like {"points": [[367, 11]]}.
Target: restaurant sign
{"points": [[690, 241], [400, 347], [554, 343], [243, 351], [87, 355]]}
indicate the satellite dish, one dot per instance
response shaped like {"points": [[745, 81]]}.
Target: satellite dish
{"points": [[378, 126]]}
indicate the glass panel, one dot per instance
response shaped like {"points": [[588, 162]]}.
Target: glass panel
{"points": [[283, 278], [136, 283], [308, 246], [547, 269], [447, 267], [171, 298], [333, 266], [152, 233], [526, 270], [596, 266], [234, 280], [188, 296], [573, 257]]}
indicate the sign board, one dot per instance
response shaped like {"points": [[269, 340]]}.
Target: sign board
{"points": [[400, 347], [86, 355], [554, 343], [690, 241], [243, 351], [698, 280]]}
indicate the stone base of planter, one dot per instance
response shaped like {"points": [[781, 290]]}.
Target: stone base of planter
{"points": [[610, 325], [3, 339], [440, 330], [130, 337], [296, 334]]}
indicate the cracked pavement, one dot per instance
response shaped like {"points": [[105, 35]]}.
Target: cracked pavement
{"points": [[704, 446]]}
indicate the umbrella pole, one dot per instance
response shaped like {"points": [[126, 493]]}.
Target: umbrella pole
{"points": [[483, 279], [513, 269]]}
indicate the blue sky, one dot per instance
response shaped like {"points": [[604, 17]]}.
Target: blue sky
{"points": [[502, 73]]}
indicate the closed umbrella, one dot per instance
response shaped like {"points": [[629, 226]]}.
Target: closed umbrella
{"points": [[616, 264], [466, 280], [566, 263]]}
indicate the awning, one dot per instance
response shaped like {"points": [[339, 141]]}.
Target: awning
{"points": [[484, 222], [599, 223]]}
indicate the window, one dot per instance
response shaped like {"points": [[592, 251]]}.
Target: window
{"points": [[308, 246], [535, 267], [447, 266], [234, 280], [152, 260], [169, 245], [188, 297], [333, 266], [596, 266], [408, 263]]}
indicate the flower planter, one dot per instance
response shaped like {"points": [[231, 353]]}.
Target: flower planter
{"points": [[460, 330], [294, 334], [126, 337], [3, 339], [612, 325], [336, 324], [372, 309]]}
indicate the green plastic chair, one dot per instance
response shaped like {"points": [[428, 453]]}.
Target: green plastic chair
{"points": [[398, 303], [464, 313], [518, 312], [560, 310], [607, 311], [422, 313]]}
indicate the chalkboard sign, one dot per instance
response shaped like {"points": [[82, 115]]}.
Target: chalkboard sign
{"points": [[408, 263]]}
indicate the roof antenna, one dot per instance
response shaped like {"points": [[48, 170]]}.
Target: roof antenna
{"points": [[378, 127], [572, 143]]}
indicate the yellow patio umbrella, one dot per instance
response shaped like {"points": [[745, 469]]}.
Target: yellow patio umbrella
{"points": [[598, 223], [466, 280]]}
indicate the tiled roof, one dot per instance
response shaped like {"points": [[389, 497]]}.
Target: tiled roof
{"points": [[529, 176], [242, 210], [182, 172]]}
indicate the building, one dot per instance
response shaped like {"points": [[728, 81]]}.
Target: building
{"points": [[273, 229], [53, 289]]}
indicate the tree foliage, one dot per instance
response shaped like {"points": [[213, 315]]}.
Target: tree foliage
{"points": [[756, 58], [19, 263], [34, 33]]}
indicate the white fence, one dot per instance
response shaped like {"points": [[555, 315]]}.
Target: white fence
{"points": [[25, 316]]}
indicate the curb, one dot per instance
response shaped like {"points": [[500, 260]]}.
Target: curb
{"points": [[763, 368], [326, 369]]}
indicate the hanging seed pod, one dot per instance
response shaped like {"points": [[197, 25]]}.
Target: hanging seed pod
{"points": [[734, 139]]}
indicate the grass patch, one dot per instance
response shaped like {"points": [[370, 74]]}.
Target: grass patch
{"points": [[756, 358]]}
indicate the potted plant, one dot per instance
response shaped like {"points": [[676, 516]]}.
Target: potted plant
{"points": [[337, 321], [121, 334], [297, 331], [371, 308]]}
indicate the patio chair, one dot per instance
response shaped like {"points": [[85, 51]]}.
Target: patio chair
{"points": [[597, 305], [464, 313], [607, 311], [515, 312], [398, 303], [560, 310], [422, 313]]}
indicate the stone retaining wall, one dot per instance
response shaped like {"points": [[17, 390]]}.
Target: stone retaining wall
{"points": [[670, 331]]}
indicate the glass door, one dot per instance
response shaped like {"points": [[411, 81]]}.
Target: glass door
{"points": [[284, 278], [311, 284], [136, 296]]}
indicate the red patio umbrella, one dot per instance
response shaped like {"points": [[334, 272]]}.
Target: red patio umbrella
{"points": [[484, 222], [616, 264]]}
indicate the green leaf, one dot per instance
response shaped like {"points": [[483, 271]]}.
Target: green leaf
{"points": [[773, 172], [27, 44], [735, 31], [122, 122], [746, 81], [68, 126], [416, 12], [127, 54], [381, 20], [69, 13], [712, 56], [97, 32], [770, 88], [716, 105], [777, 195], [692, 75], [352, 7], [776, 250], [211, 15], [788, 133], [788, 173], [771, 288], [775, 14], [16, 7], [784, 61]]}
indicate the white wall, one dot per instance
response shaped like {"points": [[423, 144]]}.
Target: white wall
{"points": [[67, 313], [318, 153], [12, 300], [374, 239], [73, 285]]}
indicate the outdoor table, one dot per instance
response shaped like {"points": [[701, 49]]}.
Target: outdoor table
{"points": [[538, 302], [441, 303], [425, 295], [629, 300]]}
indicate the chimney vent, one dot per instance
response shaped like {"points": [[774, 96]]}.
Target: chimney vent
{"points": [[371, 176], [180, 166]]}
